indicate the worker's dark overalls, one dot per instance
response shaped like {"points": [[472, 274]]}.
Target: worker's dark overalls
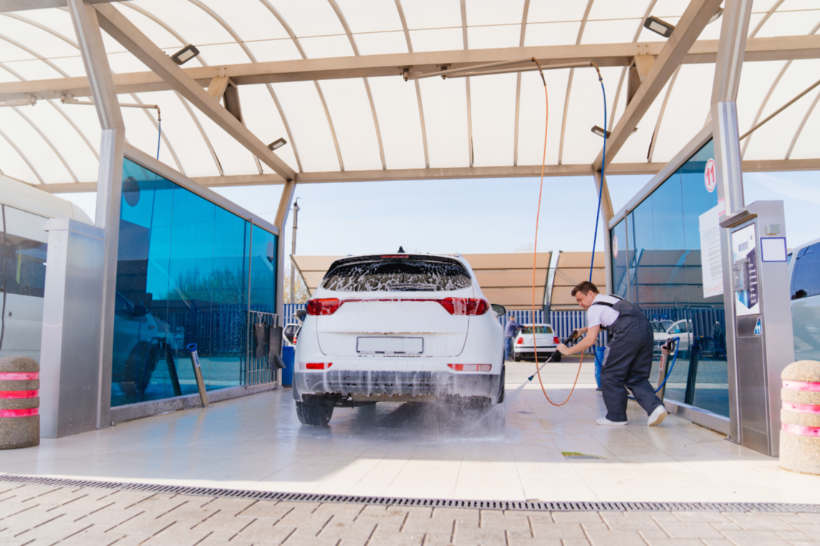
{"points": [[628, 361]]}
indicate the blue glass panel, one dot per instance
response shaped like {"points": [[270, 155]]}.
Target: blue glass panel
{"points": [[182, 278], [263, 270], [663, 275]]}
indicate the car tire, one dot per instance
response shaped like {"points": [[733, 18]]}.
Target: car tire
{"points": [[314, 412], [516, 358], [501, 389], [556, 357]]}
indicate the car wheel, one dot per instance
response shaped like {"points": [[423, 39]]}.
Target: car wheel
{"points": [[516, 358], [556, 357], [501, 389], [316, 412]]}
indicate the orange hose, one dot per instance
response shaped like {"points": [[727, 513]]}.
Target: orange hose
{"points": [[535, 254]]}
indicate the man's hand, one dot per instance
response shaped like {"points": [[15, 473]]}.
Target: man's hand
{"points": [[563, 349]]}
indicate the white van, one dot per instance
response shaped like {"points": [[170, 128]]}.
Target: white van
{"points": [[804, 275], [23, 212]]}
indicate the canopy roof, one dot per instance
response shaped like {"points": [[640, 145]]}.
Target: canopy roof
{"points": [[329, 77]]}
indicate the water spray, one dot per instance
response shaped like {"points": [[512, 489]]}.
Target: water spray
{"points": [[574, 336]]}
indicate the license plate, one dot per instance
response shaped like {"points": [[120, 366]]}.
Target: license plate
{"points": [[390, 345]]}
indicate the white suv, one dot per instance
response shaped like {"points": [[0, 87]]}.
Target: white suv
{"points": [[397, 328]]}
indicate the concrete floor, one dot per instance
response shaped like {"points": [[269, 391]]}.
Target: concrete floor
{"points": [[516, 451]]}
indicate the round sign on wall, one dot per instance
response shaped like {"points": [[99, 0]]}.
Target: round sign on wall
{"points": [[709, 177]]}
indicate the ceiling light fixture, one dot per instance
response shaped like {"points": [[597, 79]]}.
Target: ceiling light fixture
{"points": [[716, 16], [276, 144], [659, 26], [598, 130], [185, 54]]}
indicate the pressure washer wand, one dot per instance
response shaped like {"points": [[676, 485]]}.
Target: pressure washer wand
{"points": [[572, 337]]}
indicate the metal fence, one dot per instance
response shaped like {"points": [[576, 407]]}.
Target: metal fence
{"points": [[563, 322], [706, 322]]}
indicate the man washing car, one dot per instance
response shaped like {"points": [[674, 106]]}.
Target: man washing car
{"points": [[628, 359]]}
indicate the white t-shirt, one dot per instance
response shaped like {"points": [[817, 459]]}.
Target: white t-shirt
{"points": [[602, 315]]}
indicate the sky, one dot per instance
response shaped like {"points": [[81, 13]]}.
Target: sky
{"points": [[480, 215]]}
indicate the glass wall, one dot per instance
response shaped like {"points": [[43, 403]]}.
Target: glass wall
{"points": [[22, 281], [188, 271], [656, 263]]}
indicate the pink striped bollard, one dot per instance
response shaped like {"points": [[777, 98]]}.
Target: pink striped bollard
{"points": [[800, 417], [19, 402]]}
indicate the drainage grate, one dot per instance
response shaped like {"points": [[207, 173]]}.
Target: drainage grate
{"points": [[530, 505]]}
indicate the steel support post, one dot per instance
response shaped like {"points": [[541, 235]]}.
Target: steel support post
{"points": [[293, 251], [606, 216], [731, 47], [109, 184], [282, 217]]}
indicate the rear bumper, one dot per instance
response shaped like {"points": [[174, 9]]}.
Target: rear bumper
{"points": [[523, 349], [394, 386]]}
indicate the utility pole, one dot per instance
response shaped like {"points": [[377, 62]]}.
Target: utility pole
{"points": [[293, 250]]}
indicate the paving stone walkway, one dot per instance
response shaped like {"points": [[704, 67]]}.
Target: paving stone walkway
{"points": [[36, 513]]}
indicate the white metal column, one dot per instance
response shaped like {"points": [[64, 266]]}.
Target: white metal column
{"points": [[109, 183], [732, 45]]}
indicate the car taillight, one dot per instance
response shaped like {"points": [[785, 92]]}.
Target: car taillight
{"points": [[519, 341], [470, 367], [318, 365], [556, 340], [465, 306], [323, 306]]}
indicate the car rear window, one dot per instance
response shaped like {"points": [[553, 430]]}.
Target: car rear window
{"points": [[536, 329], [396, 275]]}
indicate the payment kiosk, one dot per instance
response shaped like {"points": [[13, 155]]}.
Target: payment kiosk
{"points": [[762, 319]]}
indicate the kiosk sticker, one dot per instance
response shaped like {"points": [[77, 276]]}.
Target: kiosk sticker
{"points": [[744, 258], [709, 177]]}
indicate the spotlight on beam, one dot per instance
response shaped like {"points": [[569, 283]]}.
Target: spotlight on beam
{"points": [[276, 144], [716, 16], [598, 130], [185, 54], [659, 26]]}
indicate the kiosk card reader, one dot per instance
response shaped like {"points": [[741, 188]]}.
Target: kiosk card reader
{"points": [[761, 313]]}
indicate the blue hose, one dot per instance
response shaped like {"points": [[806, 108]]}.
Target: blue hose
{"points": [[668, 370], [601, 186]]}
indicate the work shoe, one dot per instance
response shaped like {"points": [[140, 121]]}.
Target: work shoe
{"points": [[657, 416], [605, 421]]}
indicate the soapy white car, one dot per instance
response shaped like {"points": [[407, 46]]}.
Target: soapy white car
{"points": [[397, 327]]}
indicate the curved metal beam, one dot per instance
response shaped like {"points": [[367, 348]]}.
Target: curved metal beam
{"points": [[235, 35], [625, 69], [47, 141], [518, 82], [569, 85], [769, 96], [200, 58], [802, 125], [416, 82], [343, 21], [659, 121], [470, 148], [22, 156], [26, 118], [295, 40], [54, 105], [765, 18], [65, 75]]}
